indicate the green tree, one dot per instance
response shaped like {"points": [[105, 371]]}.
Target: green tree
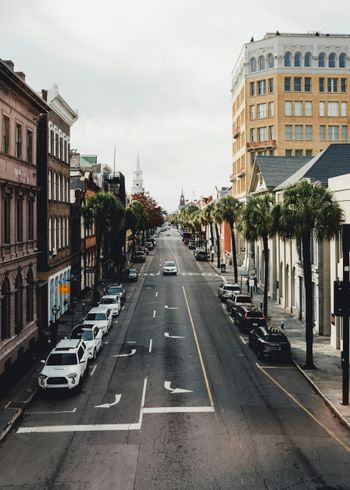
{"points": [[308, 208], [106, 212], [257, 223], [229, 210], [208, 214]]}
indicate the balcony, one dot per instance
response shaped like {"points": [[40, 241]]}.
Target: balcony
{"points": [[261, 145], [237, 176], [236, 132]]}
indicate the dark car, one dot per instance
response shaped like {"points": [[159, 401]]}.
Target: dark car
{"points": [[130, 275], [149, 245], [117, 289], [191, 244], [138, 257], [238, 299], [249, 317], [269, 342], [227, 289], [201, 255]]}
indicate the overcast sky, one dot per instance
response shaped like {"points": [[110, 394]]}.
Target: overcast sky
{"points": [[151, 76]]}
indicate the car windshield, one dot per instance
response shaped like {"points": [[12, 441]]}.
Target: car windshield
{"points": [[132, 271], [254, 314], [244, 299], [96, 316], [275, 337], [169, 264], [108, 301], [62, 360], [115, 289], [231, 288]]}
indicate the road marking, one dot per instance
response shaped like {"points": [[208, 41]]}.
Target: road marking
{"points": [[166, 334], [223, 279], [131, 341], [199, 351], [105, 342], [231, 319], [175, 390], [156, 294], [51, 413], [175, 258], [154, 313], [78, 428], [108, 405], [304, 409], [242, 339], [171, 307], [150, 345], [125, 355], [178, 409], [93, 370]]}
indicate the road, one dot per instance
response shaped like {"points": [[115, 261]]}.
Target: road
{"points": [[176, 400]]}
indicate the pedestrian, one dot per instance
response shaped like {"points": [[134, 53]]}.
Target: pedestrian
{"points": [[53, 329], [255, 284]]}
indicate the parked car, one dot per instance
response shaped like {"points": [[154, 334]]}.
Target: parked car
{"points": [[149, 245], [143, 249], [169, 268], [92, 337], [201, 255], [113, 302], [65, 366], [100, 316], [138, 257], [269, 342], [117, 289], [249, 317], [226, 290], [237, 299], [192, 244], [130, 275]]}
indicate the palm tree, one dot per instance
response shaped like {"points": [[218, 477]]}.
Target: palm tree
{"points": [[229, 208], [208, 215], [257, 222], [107, 213], [218, 220], [308, 208]]}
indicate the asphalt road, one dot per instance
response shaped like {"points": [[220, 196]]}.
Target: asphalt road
{"points": [[186, 405]]}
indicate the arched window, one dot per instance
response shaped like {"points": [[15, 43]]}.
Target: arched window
{"points": [[18, 303], [67, 238], [49, 189], [297, 59], [252, 64], [54, 194], [55, 234], [30, 296], [261, 63], [307, 59], [332, 58], [270, 60], [50, 234], [342, 60], [5, 310], [287, 59], [321, 60]]}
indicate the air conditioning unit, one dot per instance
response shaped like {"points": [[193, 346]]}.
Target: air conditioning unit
{"points": [[54, 251]]}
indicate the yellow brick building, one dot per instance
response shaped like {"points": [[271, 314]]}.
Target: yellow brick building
{"points": [[290, 97]]}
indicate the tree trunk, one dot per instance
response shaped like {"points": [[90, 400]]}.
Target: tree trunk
{"points": [[211, 235], [266, 274], [97, 265], [218, 250], [234, 252], [309, 362]]}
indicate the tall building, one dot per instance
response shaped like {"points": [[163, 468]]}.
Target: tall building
{"points": [[137, 181], [290, 97]]}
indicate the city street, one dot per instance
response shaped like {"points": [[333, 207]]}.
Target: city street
{"points": [[177, 400]]}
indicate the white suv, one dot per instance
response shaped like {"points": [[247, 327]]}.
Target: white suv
{"points": [[65, 366], [100, 316]]}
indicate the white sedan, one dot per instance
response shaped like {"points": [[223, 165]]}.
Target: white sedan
{"points": [[100, 316], [169, 268], [92, 336], [112, 301]]}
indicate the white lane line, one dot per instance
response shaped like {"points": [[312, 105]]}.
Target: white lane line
{"points": [[158, 273], [223, 279], [154, 313], [156, 294], [242, 339], [166, 334], [93, 370], [125, 355], [150, 345], [49, 413], [178, 409], [77, 428], [231, 319], [131, 341]]}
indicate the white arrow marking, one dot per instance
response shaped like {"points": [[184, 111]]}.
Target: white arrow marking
{"points": [[107, 405], [171, 307], [174, 390], [126, 355], [166, 334]]}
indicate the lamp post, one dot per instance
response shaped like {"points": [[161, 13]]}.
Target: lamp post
{"points": [[55, 310]]}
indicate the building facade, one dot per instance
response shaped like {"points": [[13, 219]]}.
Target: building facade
{"points": [[290, 97], [20, 111]]}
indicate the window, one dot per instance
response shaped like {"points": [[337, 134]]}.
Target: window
{"points": [[342, 60], [332, 60], [59, 233], [288, 132], [343, 85], [287, 84], [270, 82], [322, 108], [54, 235], [19, 220], [321, 60], [321, 84], [6, 220], [287, 108], [54, 187], [333, 133], [298, 108], [298, 132], [52, 142], [322, 132], [252, 89], [308, 132], [61, 148], [29, 146], [57, 187], [270, 60], [307, 59], [333, 109], [288, 153], [297, 84], [50, 234], [332, 84], [5, 310], [261, 87], [252, 135], [271, 133], [56, 145], [344, 133], [30, 297], [262, 134], [307, 84], [270, 109], [18, 303], [287, 59], [298, 153], [297, 59], [5, 134], [60, 190], [65, 156], [252, 112], [308, 108], [49, 184], [18, 141], [261, 111], [308, 153], [252, 65], [30, 219], [261, 63]]}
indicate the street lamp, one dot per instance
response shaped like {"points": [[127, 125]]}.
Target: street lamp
{"points": [[55, 310]]}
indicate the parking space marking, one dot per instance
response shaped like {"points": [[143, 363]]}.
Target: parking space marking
{"points": [[93, 370], [178, 409], [150, 345], [231, 319], [34, 412], [156, 294], [242, 339]]}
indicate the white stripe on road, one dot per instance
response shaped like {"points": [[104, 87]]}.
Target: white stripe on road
{"points": [[154, 313], [231, 319], [156, 293], [178, 409], [93, 370], [51, 413], [150, 345], [242, 339], [78, 428]]}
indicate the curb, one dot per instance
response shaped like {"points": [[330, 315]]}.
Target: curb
{"points": [[17, 416]]}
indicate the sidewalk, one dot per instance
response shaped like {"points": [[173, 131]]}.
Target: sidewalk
{"points": [[326, 379]]}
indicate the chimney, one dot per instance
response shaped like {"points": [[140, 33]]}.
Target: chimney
{"points": [[21, 75], [10, 64], [44, 94]]}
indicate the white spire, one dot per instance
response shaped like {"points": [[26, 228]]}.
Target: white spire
{"points": [[138, 162], [137, 182]]}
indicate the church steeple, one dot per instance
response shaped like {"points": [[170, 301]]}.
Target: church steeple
{"points": [[137, 181], [182, 200]]}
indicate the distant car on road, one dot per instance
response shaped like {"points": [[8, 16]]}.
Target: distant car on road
{"points": [[169, 268], [138, 257], [248, 317], [201, 255], [192, 244], [130, 275], [227, 289], [269, 342]]}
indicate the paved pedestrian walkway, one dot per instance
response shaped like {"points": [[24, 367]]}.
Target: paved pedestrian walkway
{"points": [[327, 377]]}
